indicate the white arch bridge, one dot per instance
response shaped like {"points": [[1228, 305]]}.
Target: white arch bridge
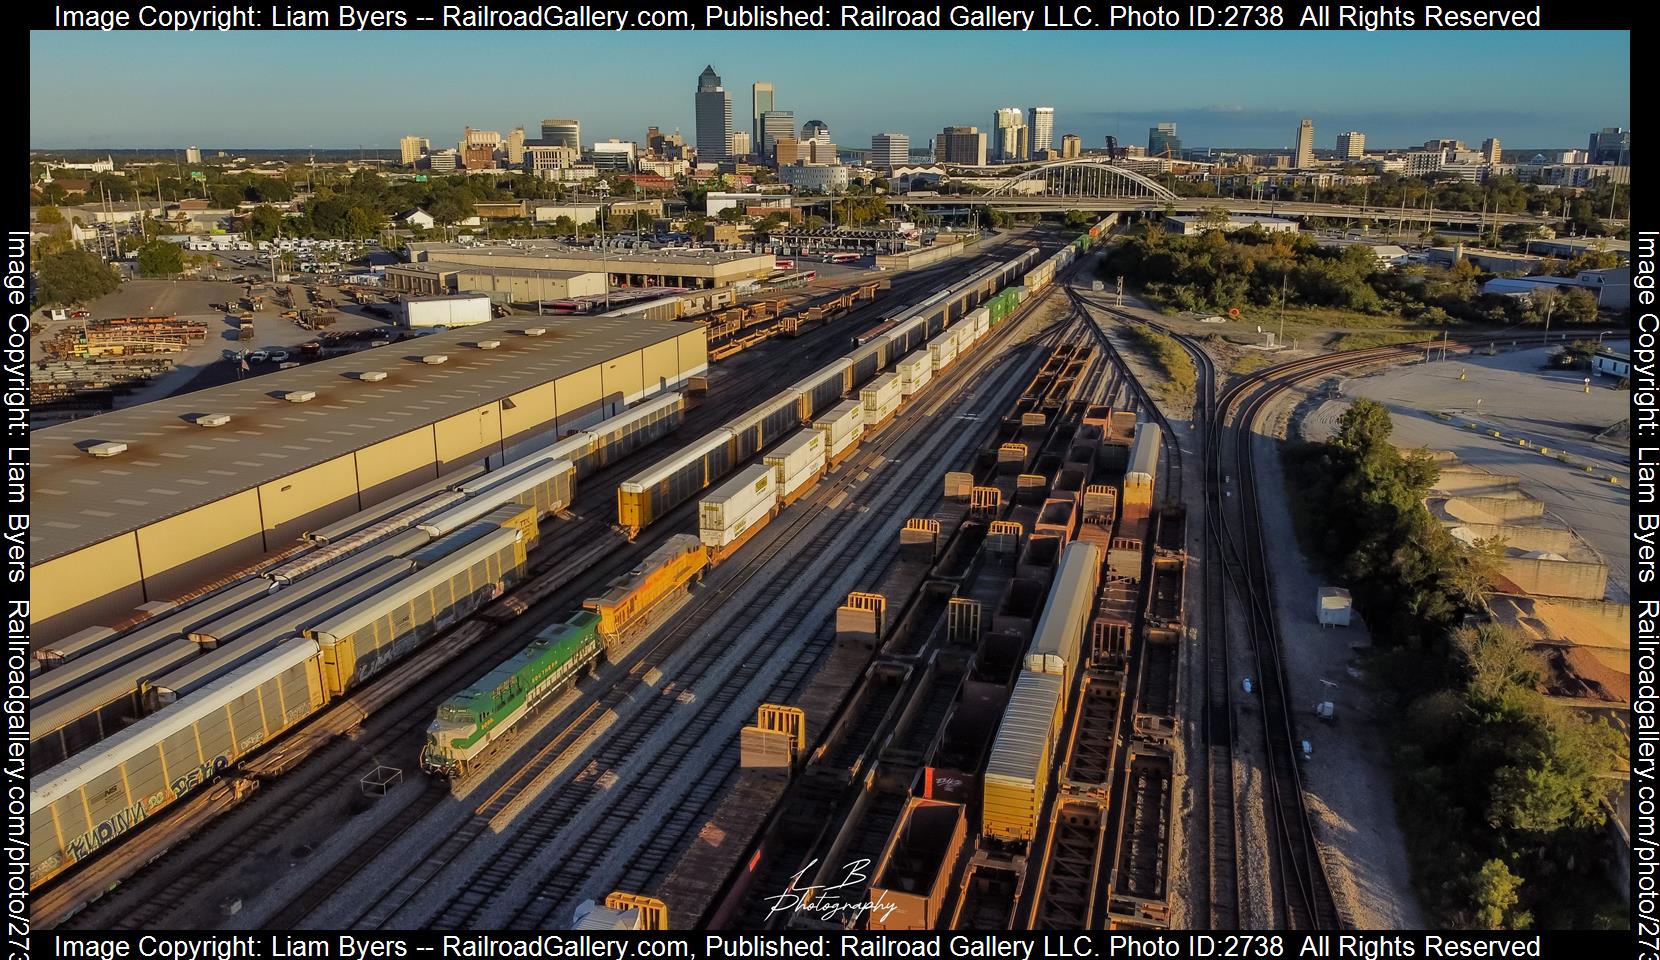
{"points": [[1081, 179]]}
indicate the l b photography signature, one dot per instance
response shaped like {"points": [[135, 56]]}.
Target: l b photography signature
{"points": [[829, 900]]}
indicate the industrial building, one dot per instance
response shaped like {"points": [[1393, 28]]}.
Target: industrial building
{"points": [[657, 268], [152, 503]]}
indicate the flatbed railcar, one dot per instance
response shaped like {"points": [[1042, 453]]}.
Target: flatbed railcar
{"points": [[80, 806]]}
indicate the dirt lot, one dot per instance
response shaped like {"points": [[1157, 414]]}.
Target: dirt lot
{"points": [[203, 365]]}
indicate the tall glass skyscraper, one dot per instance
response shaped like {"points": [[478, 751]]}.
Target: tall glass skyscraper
{"points": [[760, 103], [714, 116]]}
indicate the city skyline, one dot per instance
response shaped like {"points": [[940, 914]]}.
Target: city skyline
{"points": [[164, 104]]}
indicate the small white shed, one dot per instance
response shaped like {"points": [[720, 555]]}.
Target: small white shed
{"points": [[1332, 607]]}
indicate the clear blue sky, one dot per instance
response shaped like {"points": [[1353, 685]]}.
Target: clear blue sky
{"points": [[346, 90]]}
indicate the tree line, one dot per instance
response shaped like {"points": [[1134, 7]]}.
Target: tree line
{"points": [[1501, 794]]}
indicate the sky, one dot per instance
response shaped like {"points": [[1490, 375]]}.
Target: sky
{"points": [[343, 90]]}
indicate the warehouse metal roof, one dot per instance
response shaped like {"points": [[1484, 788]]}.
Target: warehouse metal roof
{"points": [[619, 257], [172, 464]]}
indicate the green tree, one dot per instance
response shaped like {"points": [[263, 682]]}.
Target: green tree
{"points": [[1495, 659], [1578, 305], [48, 214], [264, 222], [1495, 895], [158, 258], [75, 276], [1215, 218]]}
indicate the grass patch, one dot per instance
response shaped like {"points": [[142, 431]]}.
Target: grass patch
{"points": [[1172, 360], [1247, 362], [1378, 338]]}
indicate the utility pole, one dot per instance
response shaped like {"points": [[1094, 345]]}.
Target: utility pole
{"points": [[1280, 340]]}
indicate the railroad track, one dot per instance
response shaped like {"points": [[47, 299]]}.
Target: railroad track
{"points": [[570, 560], [552, 813]]}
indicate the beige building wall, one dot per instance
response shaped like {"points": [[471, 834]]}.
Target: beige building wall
{"points": [[309, 499], [533, 411], [577, 395], [468, 436], [100, 584], [183, 552], [390, 467]]}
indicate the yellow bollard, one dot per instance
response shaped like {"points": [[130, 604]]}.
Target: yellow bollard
{"points": [[1613, 479]]}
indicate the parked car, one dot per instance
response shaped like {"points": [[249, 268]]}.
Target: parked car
{"points": [[256, 356], [81, 314], [277, 356]]}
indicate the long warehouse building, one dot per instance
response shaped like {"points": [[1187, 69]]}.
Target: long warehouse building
{"points": [[151, 503]]}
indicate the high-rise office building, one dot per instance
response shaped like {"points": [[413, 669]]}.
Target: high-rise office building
{"points": [[760, 103], [965, 146], [1161, 138], [1351, 145], [1010, 136], [714, 116], [1304, 154], [474, 139], [815, 130], [1041, 120], [823, 151], [737, 144], [776, 125], [1611, 145], [1071, 146], [192, 154], [562, 133], [443, 161], [1490, 151], [889, 150], [613, 154], [516, 147], [411, 149], [788, 150]]}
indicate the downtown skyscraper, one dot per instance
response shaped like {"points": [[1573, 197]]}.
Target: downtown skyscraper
{"points": [[714, 116]]}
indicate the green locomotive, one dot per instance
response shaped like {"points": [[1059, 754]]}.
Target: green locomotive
{"points": [[469, 722]]}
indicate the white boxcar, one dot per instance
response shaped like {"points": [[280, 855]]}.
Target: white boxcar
{"points": [[914, 372], [737, 505]]}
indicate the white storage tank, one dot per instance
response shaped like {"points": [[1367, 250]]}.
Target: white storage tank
{"points": [[459, 310], [914, 372], [739, 504], [1333, 606], [797, 461]]}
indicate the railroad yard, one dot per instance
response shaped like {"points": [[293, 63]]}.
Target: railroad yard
{"points": [[948, 633]]}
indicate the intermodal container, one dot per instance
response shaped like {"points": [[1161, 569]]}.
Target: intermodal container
{"points": [[796, 461], [943, 350], [914, 373], [881, 397], [737, 505]]}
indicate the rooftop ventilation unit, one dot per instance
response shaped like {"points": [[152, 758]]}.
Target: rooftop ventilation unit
{"points": [[107, 448], [299, 396], [434, 358], [372, 376], [212, 420], [535, 331], [488, 344]]}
